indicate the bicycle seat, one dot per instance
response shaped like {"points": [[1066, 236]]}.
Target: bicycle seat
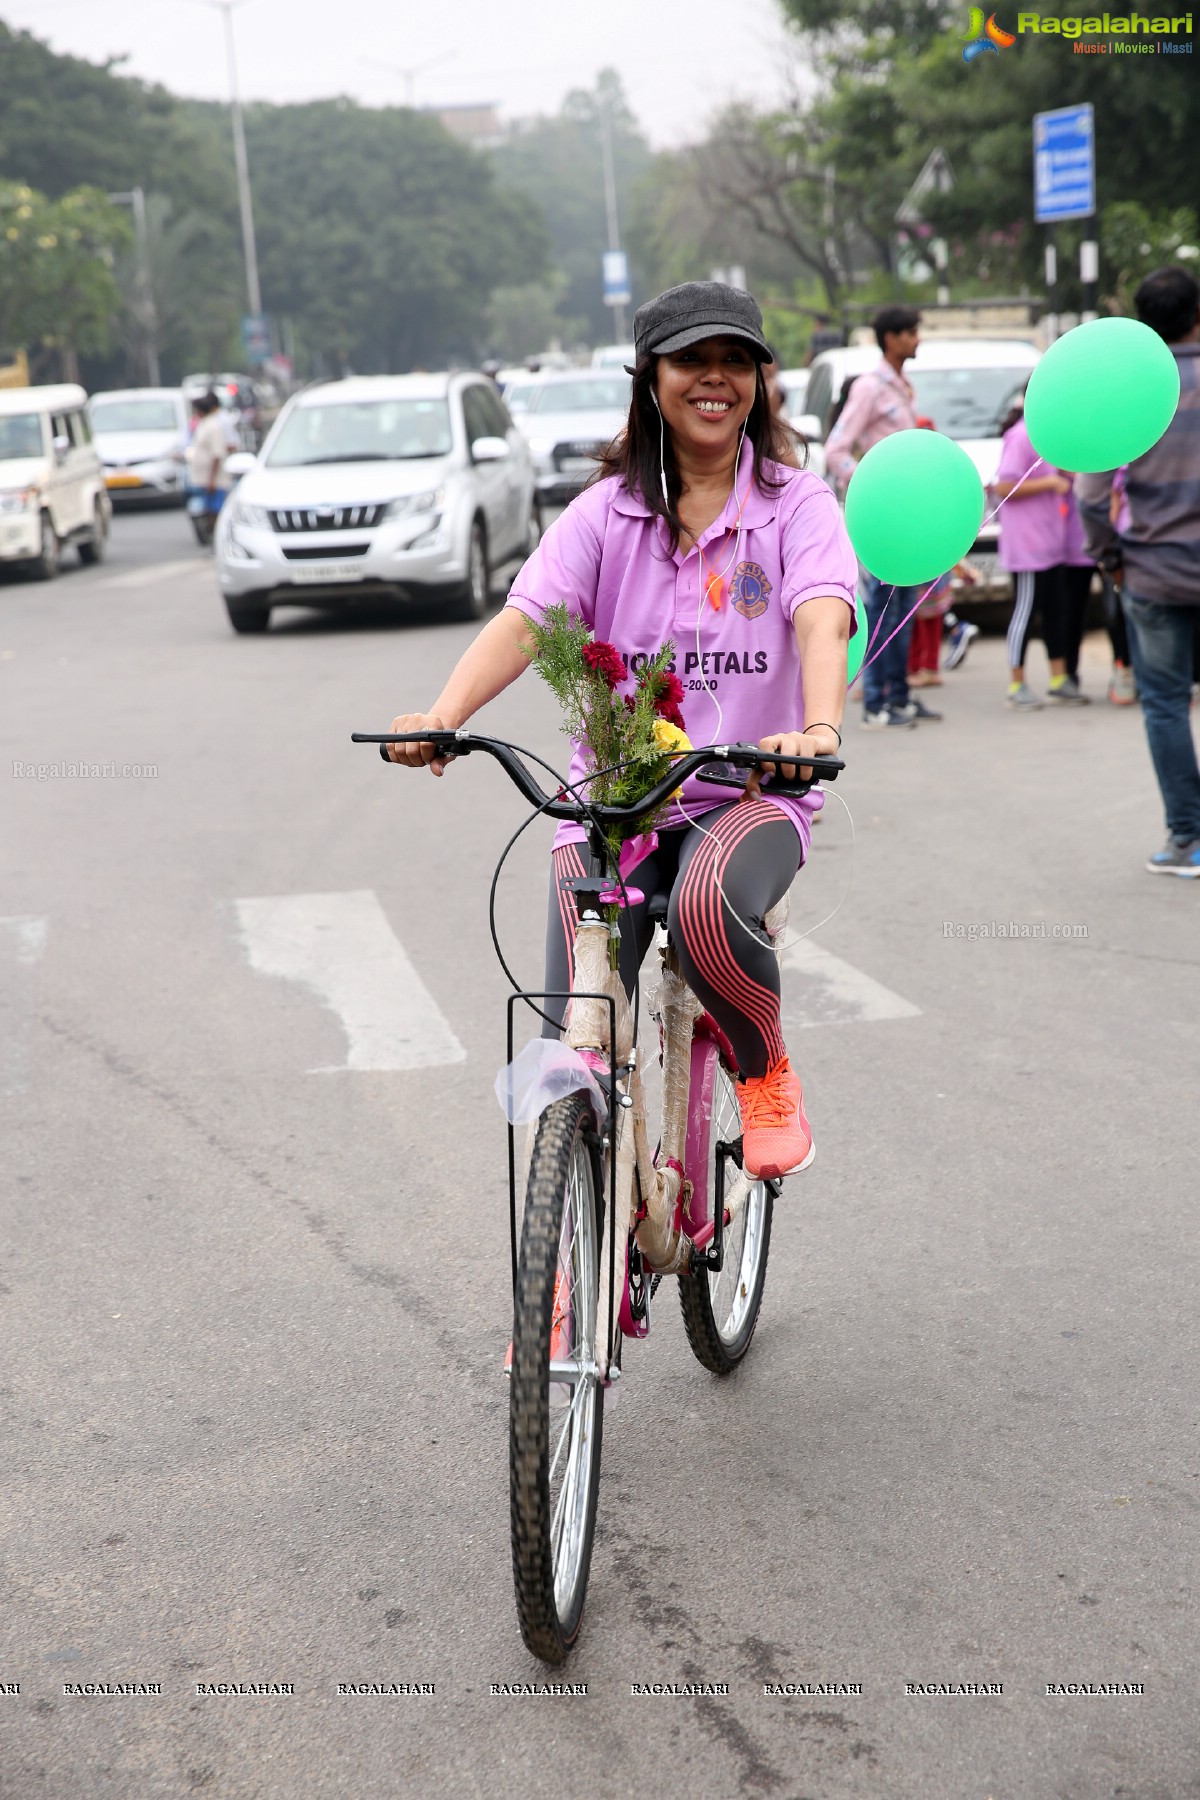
{"points": [[657, 909]]}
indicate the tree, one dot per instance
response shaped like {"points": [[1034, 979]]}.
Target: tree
{"points": [[896, 86], [381, 235], [58, 295]]}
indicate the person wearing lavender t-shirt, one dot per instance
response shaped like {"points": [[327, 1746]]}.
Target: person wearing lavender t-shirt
{"points": [[1042, 546], [696, 532]]}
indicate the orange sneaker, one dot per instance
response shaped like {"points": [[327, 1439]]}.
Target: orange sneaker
{"points": [[776, 1139]]}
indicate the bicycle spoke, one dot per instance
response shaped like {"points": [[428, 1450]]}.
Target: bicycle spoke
{"points": [[578, 1394]]}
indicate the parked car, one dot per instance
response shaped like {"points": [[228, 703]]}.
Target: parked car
{"points": [[794, 383], [516, 386], [966, 386], [141, 435], [569, 420], [51, 483], [399, 486], [614, 356]]}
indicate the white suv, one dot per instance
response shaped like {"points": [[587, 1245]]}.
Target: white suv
{"points": [[51, 479], [388, 485]]}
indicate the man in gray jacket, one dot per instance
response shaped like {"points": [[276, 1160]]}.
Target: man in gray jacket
{"points": [[1159, 549]]}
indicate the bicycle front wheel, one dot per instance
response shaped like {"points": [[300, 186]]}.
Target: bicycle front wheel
{"points": [[557, 1400], [721, 1306]]}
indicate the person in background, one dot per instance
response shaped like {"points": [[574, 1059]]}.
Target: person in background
{"points": [[206, 456], [1042, 546], [1160, 553], [882, 402]]}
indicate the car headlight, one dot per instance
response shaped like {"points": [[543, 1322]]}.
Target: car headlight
{"points": [[541, 446], [409, 504], [246, 514], [20, 500]]}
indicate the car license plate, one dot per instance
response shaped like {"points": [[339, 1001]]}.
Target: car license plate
{"points": [[323, 572], [122, 481], [987, 568], [578, 465]]}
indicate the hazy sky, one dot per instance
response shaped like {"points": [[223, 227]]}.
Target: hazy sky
{"points": [[680, 60]]}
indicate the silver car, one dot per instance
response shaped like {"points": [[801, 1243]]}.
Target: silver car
{"points": [[401, 486], [569, 420], [141, 435]]}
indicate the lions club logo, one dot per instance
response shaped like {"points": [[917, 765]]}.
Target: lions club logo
{"points": [[749, 590]]}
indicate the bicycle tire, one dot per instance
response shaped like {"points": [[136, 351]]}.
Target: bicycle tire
{"points": [[558, 1280], [721, 1307]]}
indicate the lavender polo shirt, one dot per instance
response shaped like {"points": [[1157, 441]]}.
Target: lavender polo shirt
{"points": [[609, 559], [1038, 531]]}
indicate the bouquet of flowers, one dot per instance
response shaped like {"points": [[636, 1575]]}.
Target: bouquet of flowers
{"points": [[628, 740]]}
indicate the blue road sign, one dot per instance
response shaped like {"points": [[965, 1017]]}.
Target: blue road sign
{"points": [[1064, 164], [256, 337], [616, 279]]}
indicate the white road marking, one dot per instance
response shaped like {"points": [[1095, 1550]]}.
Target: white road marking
{"points": [[834, 992], [139, 578], [22, 941], [341, 947]]}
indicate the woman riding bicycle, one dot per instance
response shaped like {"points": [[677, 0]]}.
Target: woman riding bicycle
{"points": [[695, 531]]}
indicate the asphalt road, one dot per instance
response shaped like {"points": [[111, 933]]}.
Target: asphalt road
{"points": [[255, 1285]]}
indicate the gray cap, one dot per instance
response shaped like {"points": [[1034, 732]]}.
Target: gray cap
{"points": [[697, 310]]}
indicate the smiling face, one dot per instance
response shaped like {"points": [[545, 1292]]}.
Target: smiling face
{"points": [[706, 392]]}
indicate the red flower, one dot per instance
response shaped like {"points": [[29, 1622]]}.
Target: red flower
{"points": [[668, 692], [606, 662], [629, 702], [670, 712]]}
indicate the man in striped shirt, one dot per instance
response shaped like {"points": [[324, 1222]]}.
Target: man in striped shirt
{"points": [[882, 402], [1159, 548]]}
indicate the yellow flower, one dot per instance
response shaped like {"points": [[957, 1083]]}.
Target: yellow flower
{"points": [[669, 737]]}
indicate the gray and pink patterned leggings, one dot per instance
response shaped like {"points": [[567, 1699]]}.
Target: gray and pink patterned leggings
{"points": [[735, 869]]}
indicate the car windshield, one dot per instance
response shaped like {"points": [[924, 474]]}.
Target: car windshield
{"points": [[20, 435], [591, 393], [967, 403], [363, 431], [133, 415], [516, 395]]}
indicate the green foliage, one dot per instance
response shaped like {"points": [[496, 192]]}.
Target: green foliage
{"points": [[380, 237], [1135, 241], [890, 98], [57, 290]]}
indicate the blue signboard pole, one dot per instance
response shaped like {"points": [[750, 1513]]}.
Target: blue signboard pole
{"points": [[1064, 188]]}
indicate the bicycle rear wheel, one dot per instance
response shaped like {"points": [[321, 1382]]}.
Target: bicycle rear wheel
{"points": [[556, 1402], [721, 1306]]}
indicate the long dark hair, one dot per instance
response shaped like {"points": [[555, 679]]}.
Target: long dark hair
{"points": [[634, 452]]}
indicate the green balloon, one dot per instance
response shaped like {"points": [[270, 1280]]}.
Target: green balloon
{"points": [[1101, 395], [914, 507], [857, 647]]}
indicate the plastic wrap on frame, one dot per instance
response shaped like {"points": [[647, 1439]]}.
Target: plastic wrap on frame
{"points": [[545, 1070]]}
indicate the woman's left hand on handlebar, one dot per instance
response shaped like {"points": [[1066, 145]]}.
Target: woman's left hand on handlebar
{"points": [[783, 743]]}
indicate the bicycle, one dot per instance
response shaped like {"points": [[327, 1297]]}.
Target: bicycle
{"points": [[689, 1209]]}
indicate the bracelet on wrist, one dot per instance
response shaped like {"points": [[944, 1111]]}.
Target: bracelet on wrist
{"points": [[824, 725]]}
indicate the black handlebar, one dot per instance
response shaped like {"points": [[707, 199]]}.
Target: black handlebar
{"points": [[562, 806]]}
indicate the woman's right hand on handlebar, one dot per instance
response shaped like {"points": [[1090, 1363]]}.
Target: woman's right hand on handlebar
{"points": [[419, 756]]}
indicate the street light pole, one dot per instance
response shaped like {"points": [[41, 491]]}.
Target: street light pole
{"points": [[249, 249], [610, 202]]}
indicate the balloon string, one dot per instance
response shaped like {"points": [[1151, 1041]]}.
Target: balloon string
{"points": [[921, 599]]}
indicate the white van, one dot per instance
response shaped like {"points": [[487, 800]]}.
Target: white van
{"points": [[51, 481]]}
